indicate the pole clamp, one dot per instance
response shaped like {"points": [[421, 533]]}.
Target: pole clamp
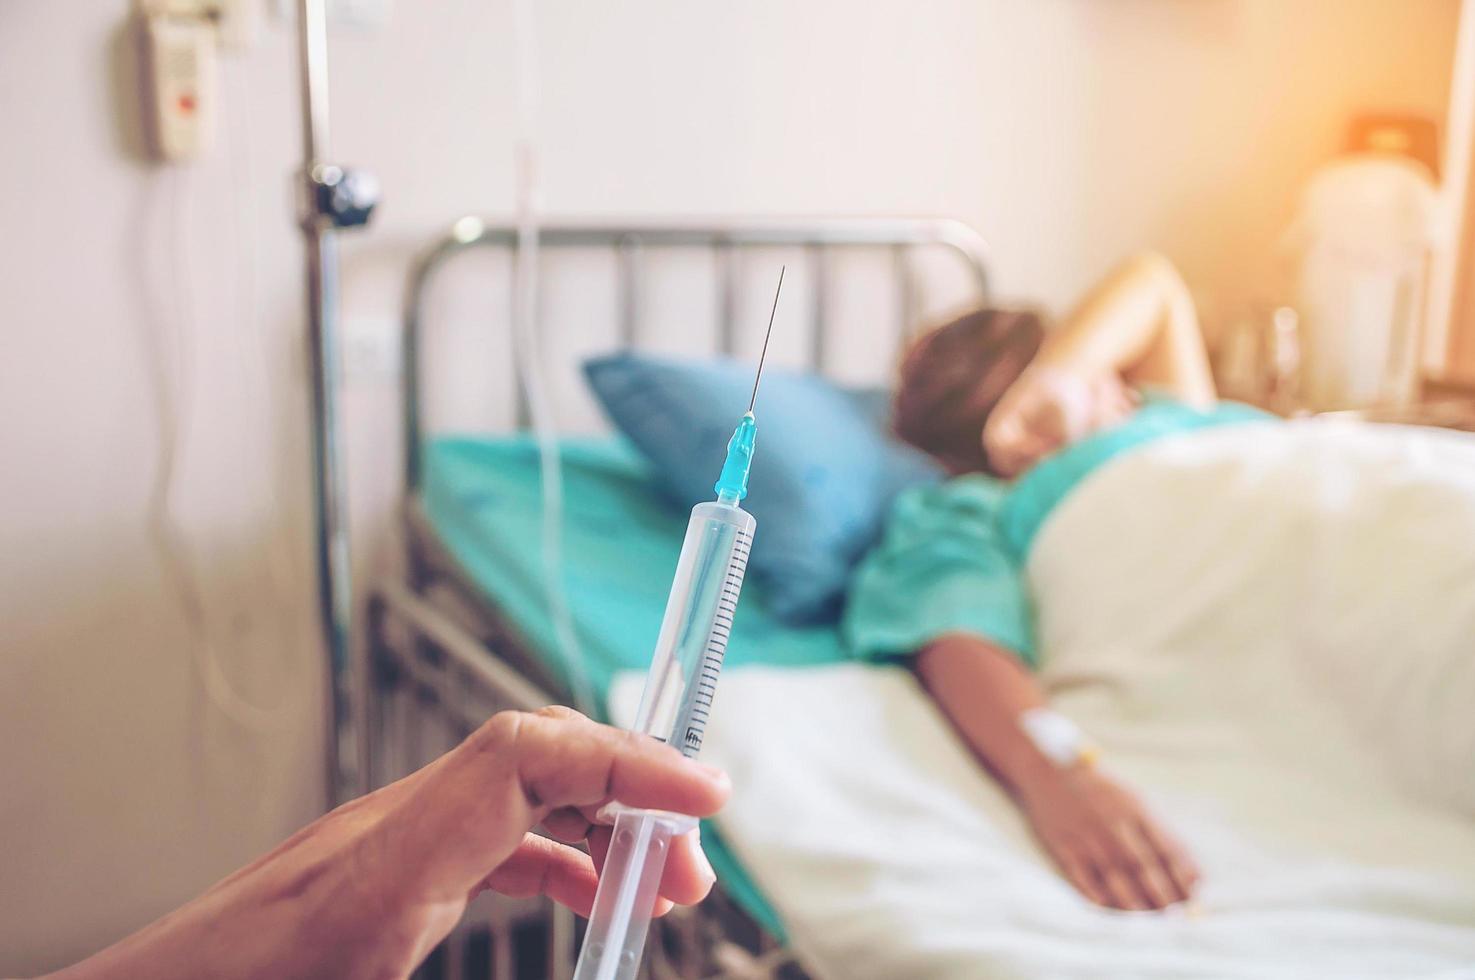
{"points": [[340, 197]]}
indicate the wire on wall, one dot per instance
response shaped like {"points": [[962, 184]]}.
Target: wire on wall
{"points": [[177, 377]]}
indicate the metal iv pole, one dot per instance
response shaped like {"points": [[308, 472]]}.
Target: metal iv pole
{"points": [[332, 198]]}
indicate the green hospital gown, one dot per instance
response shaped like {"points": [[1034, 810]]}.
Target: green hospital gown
{"points": [[953, 555]]}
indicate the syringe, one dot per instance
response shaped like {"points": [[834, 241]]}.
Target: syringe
{"points": [[677, 700]]}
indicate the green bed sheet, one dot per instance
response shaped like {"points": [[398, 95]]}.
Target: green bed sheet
{"points": [[620, 545]]}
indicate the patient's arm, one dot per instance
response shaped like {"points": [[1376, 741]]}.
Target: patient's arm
{"points": [[1104, 841], [1138, 322], [1138, 326]]}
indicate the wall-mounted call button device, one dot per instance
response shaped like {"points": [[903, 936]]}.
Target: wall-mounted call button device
{"points": [[182, 74], [180, 40]]}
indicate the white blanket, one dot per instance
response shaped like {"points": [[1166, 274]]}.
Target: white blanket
{"points": [[1270, 629]]}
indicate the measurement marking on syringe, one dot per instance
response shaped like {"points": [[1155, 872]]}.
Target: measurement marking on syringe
{"points": [[699, 711]]}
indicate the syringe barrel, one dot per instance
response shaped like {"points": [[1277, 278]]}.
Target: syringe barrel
{"points": [[678, 697], [699, 612]]}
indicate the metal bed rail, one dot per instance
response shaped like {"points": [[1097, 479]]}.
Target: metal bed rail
{"points": [[819, 239]]}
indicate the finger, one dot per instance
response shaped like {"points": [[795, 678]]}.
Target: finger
{"points": [[1116, 885], [599, 838], [1119, 889], [1182, 872], [562, 759], [541, 866], [688, 876], [999, 454], [1006, 463], [568, 824], [1115, 404], [1013, 457], [1030, 446], [1077, 871], [1146, 869]]}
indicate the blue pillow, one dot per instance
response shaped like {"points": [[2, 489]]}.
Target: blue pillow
{"points": [[824, 471]]}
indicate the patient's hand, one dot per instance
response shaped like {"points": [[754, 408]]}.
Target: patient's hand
{"points": [[1106, 842], [1047, 409], [1103, 839]]}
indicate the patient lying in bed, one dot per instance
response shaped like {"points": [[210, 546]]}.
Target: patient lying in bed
{"points": [[1019, 418]]}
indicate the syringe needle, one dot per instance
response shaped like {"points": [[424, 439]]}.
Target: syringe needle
{"points": [[764, 356]]}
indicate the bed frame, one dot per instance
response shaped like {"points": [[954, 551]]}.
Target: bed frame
{"points": [[440, 657]]}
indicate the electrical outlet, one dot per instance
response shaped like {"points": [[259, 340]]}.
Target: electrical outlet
{"points": [[370, 347]]}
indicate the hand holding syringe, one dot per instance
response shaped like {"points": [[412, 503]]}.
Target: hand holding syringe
{"points": [[678, 698]]}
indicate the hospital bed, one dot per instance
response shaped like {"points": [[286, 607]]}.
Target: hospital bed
{"points": [[464, 630], [1295, 705]]}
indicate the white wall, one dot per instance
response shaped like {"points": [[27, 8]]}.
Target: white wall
{"points": [[121, 790], [1068, 131]]}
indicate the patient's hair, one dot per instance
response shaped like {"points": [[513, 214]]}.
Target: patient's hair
{"points": [[953, 376]]}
